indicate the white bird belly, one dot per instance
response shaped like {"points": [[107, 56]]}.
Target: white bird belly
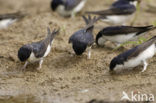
{"points": [[120, 38], [101, 41], [61, 9], [79, 6], [47, 51], [6, 22], [33, 59], [120, 19]]}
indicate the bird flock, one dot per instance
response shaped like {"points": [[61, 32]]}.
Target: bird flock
{"points": [[117, 15]]}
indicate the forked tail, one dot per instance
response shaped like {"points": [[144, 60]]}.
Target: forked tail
{"points": [[51, 35], [90, 22]]}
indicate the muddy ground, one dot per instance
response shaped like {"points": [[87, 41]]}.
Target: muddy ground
{"points": [[65, 78]]}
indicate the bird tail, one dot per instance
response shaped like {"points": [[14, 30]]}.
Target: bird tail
{"points": [[153, 39], [51, 35], [90, 21], [150, 27], [146, 29]]}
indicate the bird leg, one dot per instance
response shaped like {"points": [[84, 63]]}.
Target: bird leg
{"points": [[145, 65], [73, 15], [89, 52], [40, 64], [25, 65]]}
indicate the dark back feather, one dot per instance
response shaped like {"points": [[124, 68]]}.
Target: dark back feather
{"points": [[142, 47], [121, 10], [84, 37], [39, 48], [120, 3], [115, 30], [71, 4]]}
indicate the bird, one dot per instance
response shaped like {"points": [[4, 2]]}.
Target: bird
{"points": [[10, 18], [83, 38], [121, 34], [119, 13], [37, 51], [135, 56], [67, 8]]}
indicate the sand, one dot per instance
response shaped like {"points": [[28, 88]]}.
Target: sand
{"points": [[65, 78]]}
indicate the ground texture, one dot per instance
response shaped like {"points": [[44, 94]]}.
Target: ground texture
{"points": [[65, 78]]}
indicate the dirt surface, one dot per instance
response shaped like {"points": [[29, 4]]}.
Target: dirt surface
{"points": [[65, 78]]}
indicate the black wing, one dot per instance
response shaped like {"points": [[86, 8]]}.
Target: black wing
{"points": [[121, 10], [71, 4], [119, 3], [39, 49], [82, 37], [115, 30]]}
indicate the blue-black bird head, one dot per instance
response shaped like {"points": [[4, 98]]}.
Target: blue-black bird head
{"points": [[98, 36], [113, 64], [79, 48], [55, 4], [24, 53]]}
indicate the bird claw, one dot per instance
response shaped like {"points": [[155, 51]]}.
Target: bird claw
{"points": [[23, 68]]}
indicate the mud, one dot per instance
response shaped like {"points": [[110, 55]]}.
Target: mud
{"points": [[65, 78]]}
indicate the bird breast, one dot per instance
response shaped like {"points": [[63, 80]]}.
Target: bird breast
{"points": [[120, 38], [32, 58], [61, 10], [47, 51], [6, 22], [117, 19]]}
